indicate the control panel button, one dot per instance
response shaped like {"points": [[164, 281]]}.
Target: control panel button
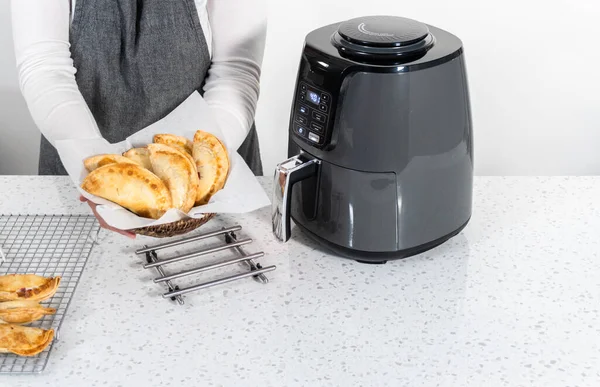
{"points": [[301, 119], [303, 87], [314, 138], [324, 98], [323, 107], [303, 110], [319, 117], [301, 131], [317, 127]]}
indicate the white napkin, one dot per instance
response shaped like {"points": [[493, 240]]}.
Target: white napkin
{"points": [[242, 192]]}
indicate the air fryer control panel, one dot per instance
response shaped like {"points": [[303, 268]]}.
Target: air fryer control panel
{"points": [[312, 114], [318, 92]]}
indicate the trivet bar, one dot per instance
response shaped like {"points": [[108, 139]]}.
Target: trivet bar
{"points": [[188, 239], [218, 282], [196, 254], [208, 267]]}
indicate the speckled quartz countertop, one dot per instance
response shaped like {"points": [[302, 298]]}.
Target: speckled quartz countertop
{"points": [[514, 300]]}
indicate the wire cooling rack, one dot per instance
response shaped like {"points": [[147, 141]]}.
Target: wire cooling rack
{"points": [[48, 245]]}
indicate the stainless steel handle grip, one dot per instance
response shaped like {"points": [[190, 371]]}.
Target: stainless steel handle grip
{"points": [[287, 174]]}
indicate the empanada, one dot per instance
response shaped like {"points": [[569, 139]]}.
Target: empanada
{"points": [[98, 161], [140, 156], [130, 186], [212, 162], [195, 177], [27, 287], [24, 341], [179, 142], [22, 312], [178, 173]]}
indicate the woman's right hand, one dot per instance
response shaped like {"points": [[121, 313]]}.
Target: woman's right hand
{"points": [[102, 222]]}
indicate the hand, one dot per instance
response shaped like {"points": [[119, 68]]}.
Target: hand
{"points": [[103, 223]]}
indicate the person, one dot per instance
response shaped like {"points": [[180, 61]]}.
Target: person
{"points": [[90, 68]]}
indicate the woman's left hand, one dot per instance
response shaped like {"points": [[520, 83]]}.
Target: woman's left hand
{"points": [[103, 223]]}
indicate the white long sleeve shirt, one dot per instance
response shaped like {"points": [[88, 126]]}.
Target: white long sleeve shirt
{"points": [[235, 31]]}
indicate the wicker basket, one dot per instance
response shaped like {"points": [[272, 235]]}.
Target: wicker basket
{"points": [[173, 229]]}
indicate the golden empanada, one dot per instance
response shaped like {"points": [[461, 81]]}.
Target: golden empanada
{"points": [[140, 156], [27, 287], [212, 162], [21, 312], [195, 177], [178, 173], [24, 341], [130, 186], [98, 161], [179, 142]]}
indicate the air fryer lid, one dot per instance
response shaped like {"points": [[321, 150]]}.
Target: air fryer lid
{"points": [[381, 37]]}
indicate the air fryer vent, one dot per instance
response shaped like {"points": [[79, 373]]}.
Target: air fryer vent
{"points": [[382, 38]]}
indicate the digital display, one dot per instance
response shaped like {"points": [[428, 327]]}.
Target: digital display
{"points": [[313, 97]]}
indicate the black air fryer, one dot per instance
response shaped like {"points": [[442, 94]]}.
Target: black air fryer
{"points": [[380, 140]]}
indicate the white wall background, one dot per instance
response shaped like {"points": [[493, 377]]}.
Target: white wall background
{"points": [[19, 137], [533, 68]]}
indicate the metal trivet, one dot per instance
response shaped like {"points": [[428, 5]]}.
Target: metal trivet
{"points": [[48, 245], [231, 242]]}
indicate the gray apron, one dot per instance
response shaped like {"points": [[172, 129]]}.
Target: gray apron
{"points": [[136, 61]]}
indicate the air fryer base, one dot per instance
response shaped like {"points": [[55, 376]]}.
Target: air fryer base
{"points": [[382, 257]]}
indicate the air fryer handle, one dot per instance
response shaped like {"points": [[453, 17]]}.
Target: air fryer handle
{"points": [[287, 174]]}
